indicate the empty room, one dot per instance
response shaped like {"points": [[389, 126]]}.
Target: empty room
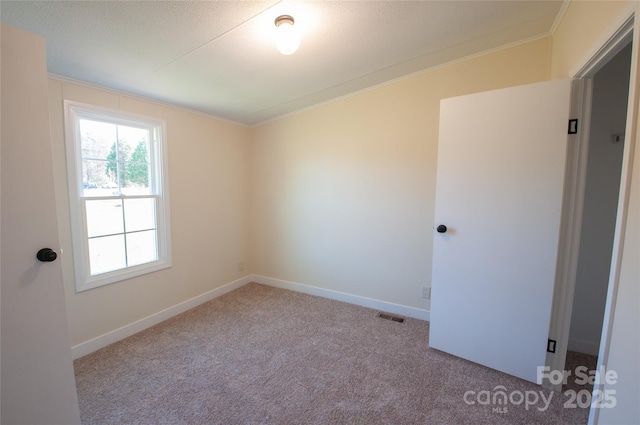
{"points": [[320, 212]]}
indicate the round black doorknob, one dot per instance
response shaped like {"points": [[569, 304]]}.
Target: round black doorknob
{"points": [[46, 255], [441, 229]]}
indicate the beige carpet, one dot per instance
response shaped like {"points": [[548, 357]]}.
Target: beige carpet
{"points": [[261, 355]]}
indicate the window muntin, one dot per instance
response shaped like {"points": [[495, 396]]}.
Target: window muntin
{"points": [[117, 172]]}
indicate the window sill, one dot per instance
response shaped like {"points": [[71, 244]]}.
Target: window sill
{"points": [[97, 281]]}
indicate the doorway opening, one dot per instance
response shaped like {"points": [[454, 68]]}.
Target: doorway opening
{"points": [[609, 92], [623, 41]]}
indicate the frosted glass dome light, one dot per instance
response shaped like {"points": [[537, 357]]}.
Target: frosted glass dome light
{"points": [[287, 38]]}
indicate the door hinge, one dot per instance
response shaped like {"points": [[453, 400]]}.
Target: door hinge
{"points": [[573, 126], [551, 346]]}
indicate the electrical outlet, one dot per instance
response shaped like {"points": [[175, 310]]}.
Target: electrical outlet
{"points": [[426, 292], [241, 266]]}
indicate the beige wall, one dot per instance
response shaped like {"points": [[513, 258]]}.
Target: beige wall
{"points": [[581, 28], [344, 193], [584, 27], [208, 171]]}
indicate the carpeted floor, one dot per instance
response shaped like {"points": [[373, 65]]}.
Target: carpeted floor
{"points": [[261, 355]]}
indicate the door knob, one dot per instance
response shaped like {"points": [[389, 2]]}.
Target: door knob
{"points": [[46, 255], [441, 228]]}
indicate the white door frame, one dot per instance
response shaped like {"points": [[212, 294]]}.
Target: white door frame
{"points": [[623, 29]]}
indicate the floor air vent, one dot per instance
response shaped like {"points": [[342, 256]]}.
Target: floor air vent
{"points": [[391, 317]]}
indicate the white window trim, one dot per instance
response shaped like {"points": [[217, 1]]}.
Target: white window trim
{"points": [[80, 241]]}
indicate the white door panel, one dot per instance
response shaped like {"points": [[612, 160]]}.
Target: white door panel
{"points": [[38, 385], [501, 162]]}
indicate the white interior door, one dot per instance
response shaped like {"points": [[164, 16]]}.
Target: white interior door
{"points": [[501, 164], [38, 385]]}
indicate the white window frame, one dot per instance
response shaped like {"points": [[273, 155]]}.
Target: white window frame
{"points": [[75, 111]]}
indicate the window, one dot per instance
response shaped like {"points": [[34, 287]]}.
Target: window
{"points": [[119, 202]]}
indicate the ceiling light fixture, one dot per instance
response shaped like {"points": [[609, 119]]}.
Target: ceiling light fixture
{"points": [[287, 38]]}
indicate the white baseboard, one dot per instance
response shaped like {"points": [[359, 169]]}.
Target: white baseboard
{"points": [[116, 335], [586, 347], [385, 306], [101, 341]]}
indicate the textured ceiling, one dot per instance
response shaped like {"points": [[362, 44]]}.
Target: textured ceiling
{"points": [[219, 58]]}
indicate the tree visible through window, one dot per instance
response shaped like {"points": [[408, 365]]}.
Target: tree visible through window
{"points": [[137, 172], [121, 211]]}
